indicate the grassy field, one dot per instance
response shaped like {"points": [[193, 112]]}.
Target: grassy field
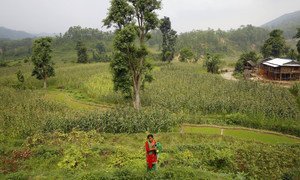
{"points": [[79, 128], [243, 134], [92, 155]]}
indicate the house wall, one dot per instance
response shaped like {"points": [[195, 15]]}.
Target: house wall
{"points": [[280, 73]]}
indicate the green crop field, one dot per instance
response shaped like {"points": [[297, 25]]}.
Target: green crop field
{"points": [[84, 103], [79, 128]]}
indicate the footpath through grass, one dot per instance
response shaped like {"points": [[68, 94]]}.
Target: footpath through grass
{"points": [[245, 134]]}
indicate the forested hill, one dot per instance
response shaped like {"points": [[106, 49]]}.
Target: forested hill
{"points": [[288, 23], [243, 39], [6, 33], [231, 42]]}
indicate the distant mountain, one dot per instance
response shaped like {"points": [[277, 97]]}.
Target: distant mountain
{"points": [[288, 23], [6, 33]]}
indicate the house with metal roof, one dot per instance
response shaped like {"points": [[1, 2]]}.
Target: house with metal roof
{"points": [[280, 69]]}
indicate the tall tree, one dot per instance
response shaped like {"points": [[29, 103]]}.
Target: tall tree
{"points": [[41, 58], [169, 39], [82, 56], [134, 20], [274, 46], [298, 44]]}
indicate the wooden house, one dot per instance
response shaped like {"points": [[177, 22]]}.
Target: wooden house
{"points": [[250, 65], [280, 69]]}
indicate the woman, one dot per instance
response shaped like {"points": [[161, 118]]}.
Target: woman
{"points": [[151, 154]]}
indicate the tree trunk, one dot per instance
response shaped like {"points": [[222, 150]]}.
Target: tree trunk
{"points": [[136, 92], [45, 82]]}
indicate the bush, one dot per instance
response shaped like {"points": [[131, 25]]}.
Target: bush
{"points": [[3, 64], [18, 176]]}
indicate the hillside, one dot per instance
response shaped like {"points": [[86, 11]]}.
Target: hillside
{"points": [[288, 23], [6, 33], [80, 129]]}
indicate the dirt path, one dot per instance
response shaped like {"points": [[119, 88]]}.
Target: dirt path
{"points": [[229, 75]]}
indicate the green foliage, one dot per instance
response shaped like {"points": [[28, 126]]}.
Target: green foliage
{"points": [[169, 39], [295, 90], [122, 14], [15, 48], [77, 33], [20, 76], [3, 64], [292, 54], [126, 60], [82, 56], [298, 36], [121, 75], [100, 48], [41, 58], [212, 63], [245, 38], [274, 46], [185, 55], [298, 47], [186, 156], [73, 158], [298, 33], [244, 58], [248, 38]]}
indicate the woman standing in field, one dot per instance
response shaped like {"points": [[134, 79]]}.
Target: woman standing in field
{"points": [[151, 154]]}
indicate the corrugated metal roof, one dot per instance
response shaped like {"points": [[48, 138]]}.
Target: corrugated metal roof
{"points": [[270, 64], [281, 62]]}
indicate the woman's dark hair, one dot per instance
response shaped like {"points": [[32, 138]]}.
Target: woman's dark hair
{"points": [[150, 135]]}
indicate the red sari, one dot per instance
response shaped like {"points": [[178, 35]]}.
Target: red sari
{"points": [[151, 156]]}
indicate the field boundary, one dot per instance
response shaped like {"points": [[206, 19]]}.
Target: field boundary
{"points": [[241, 128]]}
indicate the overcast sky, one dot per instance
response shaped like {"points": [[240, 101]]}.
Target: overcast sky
{"points": [[54, 16]]}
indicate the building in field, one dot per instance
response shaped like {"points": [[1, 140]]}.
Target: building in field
{"points": [[280, 69]]}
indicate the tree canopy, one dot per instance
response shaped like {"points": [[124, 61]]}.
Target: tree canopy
{"points": [[185, 55], [82, 56], [134, 19], [169, 39], [41, 58], [275, 46], [298, 44], [212, 63]]}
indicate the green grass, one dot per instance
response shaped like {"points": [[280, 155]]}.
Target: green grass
{"points": [[72, 102], [80, 97], [243, 134], [116, 156], [210, 131], [183, 89]]}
